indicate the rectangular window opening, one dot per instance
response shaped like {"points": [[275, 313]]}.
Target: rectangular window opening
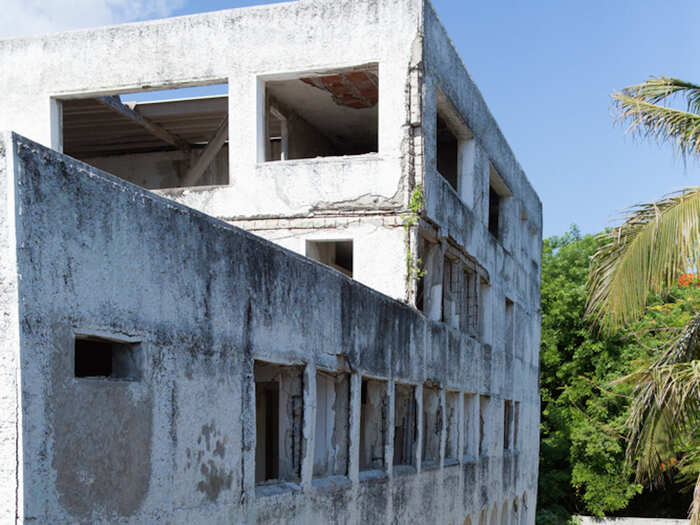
{"points": [[373, 424], [332, 425], [447, 153], [326, 114], [494, 211], [104, 358], [167, 138], [336, 254], [432, 426], [454, 156], [452, 416], [507, 424], [405, 431], [278, 422], [498, 192]]}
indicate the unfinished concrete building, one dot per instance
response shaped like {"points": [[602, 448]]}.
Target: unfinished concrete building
{"points": [[159, 364]]}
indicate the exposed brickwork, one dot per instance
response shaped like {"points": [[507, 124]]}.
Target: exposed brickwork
{"points": [[356, 89]]}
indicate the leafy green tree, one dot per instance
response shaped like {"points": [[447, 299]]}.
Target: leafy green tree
{"points": [[642, 258], [585, 406], [581, 459]]}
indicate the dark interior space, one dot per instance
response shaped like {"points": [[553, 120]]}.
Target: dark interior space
{"points": [[447, 153], [494, 211], [95, 357], [323, 114]]}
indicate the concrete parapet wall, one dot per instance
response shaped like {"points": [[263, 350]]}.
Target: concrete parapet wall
{"points": [[86, 253]]}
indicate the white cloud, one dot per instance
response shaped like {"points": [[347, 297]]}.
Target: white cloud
{"points": [[31, 17]]}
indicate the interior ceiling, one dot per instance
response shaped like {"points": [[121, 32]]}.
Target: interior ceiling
{"points": [[340, 104], [92, 129]]}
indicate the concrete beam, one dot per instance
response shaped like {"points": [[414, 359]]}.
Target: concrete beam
{"points": [[214, 146], [117, 106]]}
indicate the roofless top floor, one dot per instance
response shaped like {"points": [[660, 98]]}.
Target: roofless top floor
{"points": [[324, 102]]}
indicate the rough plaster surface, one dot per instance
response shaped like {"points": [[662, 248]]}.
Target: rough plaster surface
{"points": [[10, 417], [98, 255], [84, 252]]}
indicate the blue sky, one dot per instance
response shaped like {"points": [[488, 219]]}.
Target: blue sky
{"points": [[546, 70]]}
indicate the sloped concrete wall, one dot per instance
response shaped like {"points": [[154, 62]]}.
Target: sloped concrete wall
{"points": [[204, 299]]}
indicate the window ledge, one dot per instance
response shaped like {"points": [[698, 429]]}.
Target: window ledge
{"points": [[372, 475], [367, 157], [404, 470], [450, 462], [275, 488], [330, 483], [178, 191], [430, 465]]}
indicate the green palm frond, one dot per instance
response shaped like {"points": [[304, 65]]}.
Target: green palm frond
{"points": [[640, 106], [665, 412], [657, 89], [645, 254]]}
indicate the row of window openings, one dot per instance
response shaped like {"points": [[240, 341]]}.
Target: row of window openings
{"points": [[511, 514], [179, 137], [279, 413], [462, 304], [454, 151]]}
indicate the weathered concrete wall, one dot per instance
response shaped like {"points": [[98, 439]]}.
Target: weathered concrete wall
{"points": [[244, 47], [379, 244], [204, 300], [10, 407]]}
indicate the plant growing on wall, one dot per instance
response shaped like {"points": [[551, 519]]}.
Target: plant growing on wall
{"points": [[416, 205]]}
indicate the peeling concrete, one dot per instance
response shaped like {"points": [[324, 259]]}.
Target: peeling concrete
{"points": [[81, 251]]}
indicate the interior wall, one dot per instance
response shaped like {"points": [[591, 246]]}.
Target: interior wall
{"points": [[405, 431], [163, 169], [373, 419], [452, 421], [432, 425], [332, 431], [303, 140]]}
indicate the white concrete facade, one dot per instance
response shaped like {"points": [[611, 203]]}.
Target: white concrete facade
{"points": [[419, 237]]}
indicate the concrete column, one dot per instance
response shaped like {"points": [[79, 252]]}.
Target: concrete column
{"points": [[419, 424], [309, 426], [467, 171], [11, 474], [432, 284], [355, 409]]}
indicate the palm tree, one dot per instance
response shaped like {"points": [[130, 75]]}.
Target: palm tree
{"points": [[654, 245]]}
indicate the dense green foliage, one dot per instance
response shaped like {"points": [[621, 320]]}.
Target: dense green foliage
{"points": [[582, 457]]}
